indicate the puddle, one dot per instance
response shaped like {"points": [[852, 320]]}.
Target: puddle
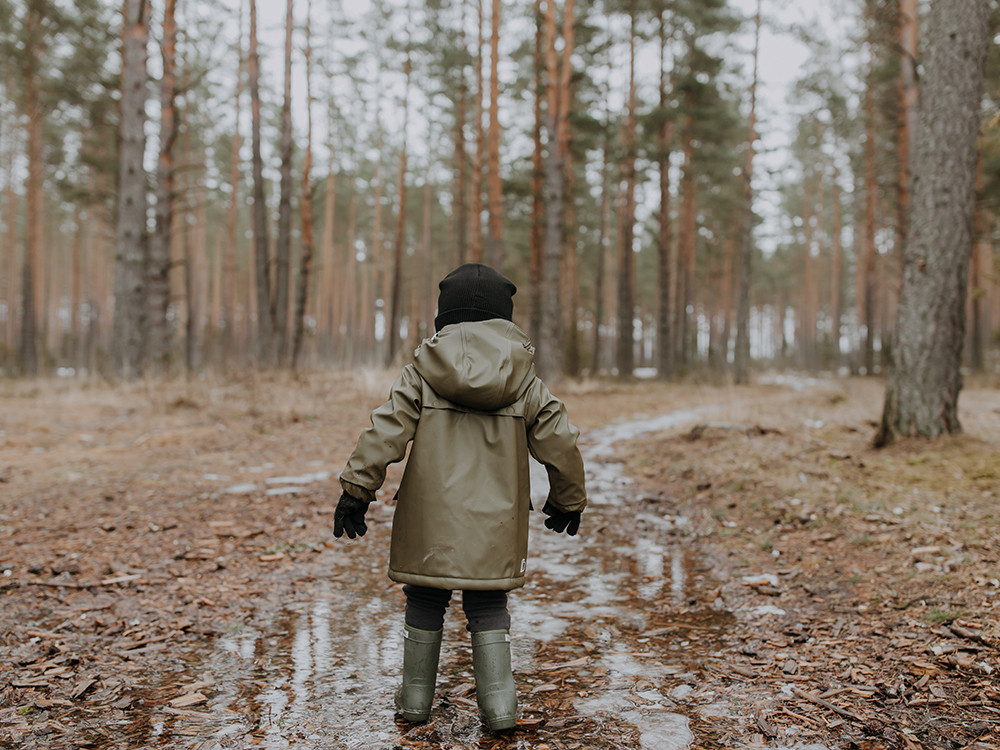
{"points": [[320, 669]]}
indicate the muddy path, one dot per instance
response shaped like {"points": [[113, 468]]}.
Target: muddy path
{"points": [[750, 573], [609, 640]]}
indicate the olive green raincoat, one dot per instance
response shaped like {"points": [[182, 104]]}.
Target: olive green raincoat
{"points": [[472, 406]]}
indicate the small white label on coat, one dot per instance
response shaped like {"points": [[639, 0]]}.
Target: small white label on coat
{"points": [[524, 564]]}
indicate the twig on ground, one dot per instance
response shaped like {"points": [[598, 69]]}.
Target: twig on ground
{"points": [[826, 704]]}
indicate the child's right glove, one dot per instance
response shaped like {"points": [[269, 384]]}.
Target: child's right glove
{"points": [[350, 517], [559, 520]]}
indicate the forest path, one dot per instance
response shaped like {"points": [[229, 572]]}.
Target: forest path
{"points": [[606, 639], [750, 573]]}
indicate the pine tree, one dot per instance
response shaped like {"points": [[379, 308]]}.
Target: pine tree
{"points": [[924, 382]]}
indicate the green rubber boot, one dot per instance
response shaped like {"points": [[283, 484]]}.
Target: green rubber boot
{"points": [[421, 649], [495, 692]]}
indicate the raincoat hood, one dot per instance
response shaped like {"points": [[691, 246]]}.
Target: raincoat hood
{"points": [[482, 365]]}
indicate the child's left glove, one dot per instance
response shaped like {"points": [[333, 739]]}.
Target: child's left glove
{"points": [[561, 520], [350, 517]]}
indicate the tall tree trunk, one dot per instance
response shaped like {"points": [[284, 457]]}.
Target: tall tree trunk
{"points": [[626, 258], [460, 215], [978, 315], [549, 356], [924, 381], [332, 311], [305, 260], [351, 289], [908, 31], [395, 309], [570, 273], [837, 274], [810, 291], [686, 246], [262, 263], [729, 260], [77, 264], [741, 358], [664, 137], [158, 281], [602, 261], [283, 254], [31, 301], [10, 242], [536, 235], [377, 295], [475, 253], [427, 317], [867, 269], [232, 218], [131, 253], [495, 248]]}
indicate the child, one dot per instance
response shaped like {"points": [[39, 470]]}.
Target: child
{"points": [[472, 406]]}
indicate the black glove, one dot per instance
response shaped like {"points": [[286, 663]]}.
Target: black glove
{"points": [[560, 520], [350, 517]]}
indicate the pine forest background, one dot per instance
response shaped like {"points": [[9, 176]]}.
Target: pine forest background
{"points": [[165, 206]]}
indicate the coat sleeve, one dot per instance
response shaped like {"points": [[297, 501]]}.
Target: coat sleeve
{"points": [[384, 443], [552, 441]]}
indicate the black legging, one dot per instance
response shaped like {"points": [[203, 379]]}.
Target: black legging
{"points": [[484, 610]]}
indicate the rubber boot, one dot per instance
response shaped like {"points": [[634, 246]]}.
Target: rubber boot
{"points": [[495, 692], [421, 649]]}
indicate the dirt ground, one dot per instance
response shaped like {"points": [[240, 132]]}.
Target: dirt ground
{"points": [[839, 596]]}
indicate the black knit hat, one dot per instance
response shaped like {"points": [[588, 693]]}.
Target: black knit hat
{"points": [[474, 292]]}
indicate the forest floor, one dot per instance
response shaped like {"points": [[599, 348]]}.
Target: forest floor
{"points": [[751, 573]]}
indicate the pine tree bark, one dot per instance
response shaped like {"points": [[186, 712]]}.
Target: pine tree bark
{"points": [[283, 250], [31, 302], [908, 31], [664, 344], [741, 356], [333, 312], [925, 378], [306, 258], [475, 250], [262, 263], [867, 270], [396, 305], [536, 236], [10, 242], [602, 262], [460, 216], [978, 314], [686, 245], [232, 217], [570, 272], [128, 350], [495, 249], [626, 257], [837, 274], [549, 354], [158, 281]]}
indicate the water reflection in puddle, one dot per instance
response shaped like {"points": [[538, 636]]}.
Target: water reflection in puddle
{"points": [[321, 672]]}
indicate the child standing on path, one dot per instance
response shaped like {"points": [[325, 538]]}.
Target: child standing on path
{"points": [[474, 409]]}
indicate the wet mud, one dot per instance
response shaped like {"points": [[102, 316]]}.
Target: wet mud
{"points": [[609, 636]]}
